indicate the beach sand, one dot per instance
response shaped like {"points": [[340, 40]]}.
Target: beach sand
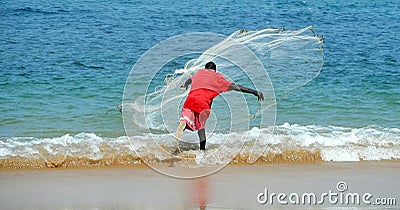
{"points": [[234, 187]]}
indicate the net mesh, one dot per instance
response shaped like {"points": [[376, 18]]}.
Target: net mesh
{"points": [[274, 61]]}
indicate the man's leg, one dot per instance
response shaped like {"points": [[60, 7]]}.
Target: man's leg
{"points": [[202, 138], [179, 130], [186, 121], [203, 116]]}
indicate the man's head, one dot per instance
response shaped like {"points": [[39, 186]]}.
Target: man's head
{"points": [[211, 65]]}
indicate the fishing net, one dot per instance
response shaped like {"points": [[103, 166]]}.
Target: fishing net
{"points": [[286, 60]]}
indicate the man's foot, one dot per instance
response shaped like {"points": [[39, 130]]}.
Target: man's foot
{"points": [[179, 131]]}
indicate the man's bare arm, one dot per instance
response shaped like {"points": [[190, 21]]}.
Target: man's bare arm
{"points": [[187, 83], [242, 89]]}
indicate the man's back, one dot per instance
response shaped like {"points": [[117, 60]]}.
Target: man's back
{"points": [[206, 85]]}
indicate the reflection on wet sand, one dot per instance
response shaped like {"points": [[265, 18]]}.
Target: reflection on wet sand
{"points": [[198, 193]]}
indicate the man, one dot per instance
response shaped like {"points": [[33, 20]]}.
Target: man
{"points": [[206, 84]]}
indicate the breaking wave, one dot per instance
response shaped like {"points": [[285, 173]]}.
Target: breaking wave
{"points": [[289, 144]]}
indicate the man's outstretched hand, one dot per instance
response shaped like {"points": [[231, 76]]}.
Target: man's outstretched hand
{"points": [[260, 96], [185, 86], [242, 89]]}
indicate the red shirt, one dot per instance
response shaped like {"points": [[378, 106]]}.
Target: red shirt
{"points": [[206, 85]]}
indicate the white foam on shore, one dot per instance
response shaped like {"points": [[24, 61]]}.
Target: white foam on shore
{"points": [[334, 143]]}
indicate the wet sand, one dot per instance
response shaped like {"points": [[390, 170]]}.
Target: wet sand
{"points": [[234, 187]]}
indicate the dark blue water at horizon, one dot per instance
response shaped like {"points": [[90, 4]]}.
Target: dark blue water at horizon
{"points": [[64, 64]]}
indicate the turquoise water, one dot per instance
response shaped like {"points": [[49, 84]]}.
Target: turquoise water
{"points": [[64, 64]]}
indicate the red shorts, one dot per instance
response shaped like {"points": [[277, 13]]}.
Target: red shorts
{"points": [[194, 120]]}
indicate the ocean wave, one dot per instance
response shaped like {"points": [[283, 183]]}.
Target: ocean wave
{"points": [[80, 64], [29, 10], [289, 144]]}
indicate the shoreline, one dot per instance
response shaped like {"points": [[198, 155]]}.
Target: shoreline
{"points": [[132, 162]]}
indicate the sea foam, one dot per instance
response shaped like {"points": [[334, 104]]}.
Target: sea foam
{"points": [[289, 143]]}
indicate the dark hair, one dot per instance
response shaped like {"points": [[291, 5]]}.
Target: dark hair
{"points": [[211, 65]]}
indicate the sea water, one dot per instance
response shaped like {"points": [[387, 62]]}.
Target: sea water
{"points": [[63, 67]]}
